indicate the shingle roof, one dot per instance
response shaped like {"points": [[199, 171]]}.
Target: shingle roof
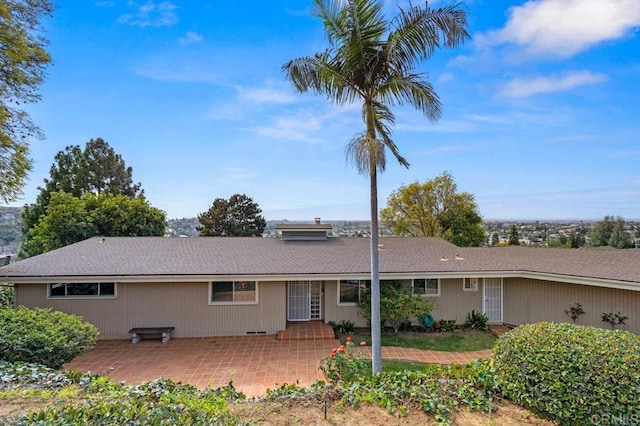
{"points": [[211, 256]]}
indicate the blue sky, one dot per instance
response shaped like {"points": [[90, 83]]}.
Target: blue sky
{"points": [[541, 108]]}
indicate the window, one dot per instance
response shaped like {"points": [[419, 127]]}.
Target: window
{"points": [[241, 292], [82, 290], [349, 291], [426, 286], [471, 284]]}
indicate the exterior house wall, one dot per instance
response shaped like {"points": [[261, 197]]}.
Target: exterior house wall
{"points": [[182, 305], [531, 301], [454, 303], [335, 312]]}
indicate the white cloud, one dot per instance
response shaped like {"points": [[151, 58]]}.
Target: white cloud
{"points": [[238, 175], [519, 88], [151, 15], [190, 38], [422, 124], [565, 27], [266, 96], [446, 149], [249, 101], [301, 128], [171, 69], [446, 77]]}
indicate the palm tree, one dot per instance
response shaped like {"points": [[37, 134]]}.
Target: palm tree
{"points": [[373, 61]]}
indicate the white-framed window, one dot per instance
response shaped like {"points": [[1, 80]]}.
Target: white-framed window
{"points": [[426, 286], [350, 291], [82, 290], [471, 284], [233, 292]]}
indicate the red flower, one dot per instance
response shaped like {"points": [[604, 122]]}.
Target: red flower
{"points": [[348, 338]]}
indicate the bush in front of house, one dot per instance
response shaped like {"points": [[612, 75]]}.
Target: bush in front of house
{"points": [[397, 305], [477, 321], [43, 336], [570, 373]]}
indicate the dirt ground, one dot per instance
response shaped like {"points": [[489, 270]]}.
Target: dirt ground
{"points": [[289, 414], [297, 413]]}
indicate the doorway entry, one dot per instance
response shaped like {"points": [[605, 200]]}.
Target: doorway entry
{"points": [[492, 304], [304, 300]]}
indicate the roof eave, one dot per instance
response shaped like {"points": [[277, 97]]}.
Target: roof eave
{"points": [[590, 281]]}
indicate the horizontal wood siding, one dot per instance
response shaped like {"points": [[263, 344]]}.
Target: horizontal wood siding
{"points": [[530, 301], [181, 305], [454, 303]]}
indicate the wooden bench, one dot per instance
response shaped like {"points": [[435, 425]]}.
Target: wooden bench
{"points": [[137, 331]]}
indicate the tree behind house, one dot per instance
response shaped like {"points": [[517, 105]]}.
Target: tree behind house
{"points": [[434, 208], [96, 169], [514, 238], [610, 232], [69, 219], [239, 216]]}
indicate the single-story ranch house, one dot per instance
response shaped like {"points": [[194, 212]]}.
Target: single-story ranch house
{"points": [[209, 286]]}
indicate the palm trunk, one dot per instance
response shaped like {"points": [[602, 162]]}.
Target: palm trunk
{"points": [[376, 326]]}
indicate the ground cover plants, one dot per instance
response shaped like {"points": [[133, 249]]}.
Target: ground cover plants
{"points": [[81, 399], [566, 373], [63, 398], [434, 389]]}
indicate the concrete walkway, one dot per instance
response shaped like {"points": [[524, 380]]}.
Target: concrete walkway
{"points": [[254, 363]]}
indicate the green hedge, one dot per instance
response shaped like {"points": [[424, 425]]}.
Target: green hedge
{"points": [[43, 336], [570, 373]]}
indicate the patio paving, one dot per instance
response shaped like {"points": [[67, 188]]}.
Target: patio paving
{"points": [[254, 363]]}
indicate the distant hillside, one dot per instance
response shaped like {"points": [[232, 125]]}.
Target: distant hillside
{"points": [[186, 227], [183, 227], [10, 224]]}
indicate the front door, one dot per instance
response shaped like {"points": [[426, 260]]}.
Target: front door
{"points": [[493, 299], [304, 301]]}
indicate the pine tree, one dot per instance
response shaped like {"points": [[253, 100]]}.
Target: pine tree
{"points": [[239, 216]]}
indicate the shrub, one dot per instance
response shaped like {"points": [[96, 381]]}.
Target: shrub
{"points": [[342, 365], [477, 320], [6, 296], [570, 373], [614, 319], [575, 311], [443, 326], [344, 326], [43, 336], [397, 305]]}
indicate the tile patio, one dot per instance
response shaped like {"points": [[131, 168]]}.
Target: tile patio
{"points": [[254, 363]]}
